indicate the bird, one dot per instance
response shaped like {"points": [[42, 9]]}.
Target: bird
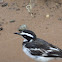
{"points": [[38, 49]]}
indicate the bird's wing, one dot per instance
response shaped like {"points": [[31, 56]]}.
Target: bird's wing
{"points": [[54, 51], [45, 50]]}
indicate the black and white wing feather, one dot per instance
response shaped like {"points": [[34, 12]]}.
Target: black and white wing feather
{"points": [[43, 48]]}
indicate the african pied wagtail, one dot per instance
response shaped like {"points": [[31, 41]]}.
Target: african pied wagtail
{"points": [[38, 49]]}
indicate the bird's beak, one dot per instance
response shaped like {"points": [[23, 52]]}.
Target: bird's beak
{"points": [[17, 33]]}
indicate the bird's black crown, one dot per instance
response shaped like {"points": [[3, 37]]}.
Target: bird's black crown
{"points": [[28, 32]]}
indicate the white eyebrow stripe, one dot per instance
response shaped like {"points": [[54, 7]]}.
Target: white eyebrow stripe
{"points": [[26, 34]]}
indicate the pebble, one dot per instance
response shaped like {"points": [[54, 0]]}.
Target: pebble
{"points": [[5, 4], [47, 16], [46, 27], [60, 19], [12, 21], [1, 29], [3, 19], [22, 27], [18, 9]]}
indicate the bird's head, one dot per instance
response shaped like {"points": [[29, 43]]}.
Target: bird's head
{"points": [[27, 35]]}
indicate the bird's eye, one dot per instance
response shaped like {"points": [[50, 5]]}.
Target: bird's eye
{"points": [[24, 36]]}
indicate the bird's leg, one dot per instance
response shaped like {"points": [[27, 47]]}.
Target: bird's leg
{"points": [[30, 6]]}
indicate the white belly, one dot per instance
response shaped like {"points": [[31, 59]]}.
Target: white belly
{"points": [[37, 58], [27, 52]]}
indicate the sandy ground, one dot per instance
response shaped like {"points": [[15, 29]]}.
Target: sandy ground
{"points": [[47, 28]]}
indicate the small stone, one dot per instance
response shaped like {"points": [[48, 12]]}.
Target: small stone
{"points": [[1, 29], [60, 19], [18, 9], [47, 16], [5, 4], [3, 19], [22, 27], [56, 3], [12, 21], [23, 6], [46, 27]]}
